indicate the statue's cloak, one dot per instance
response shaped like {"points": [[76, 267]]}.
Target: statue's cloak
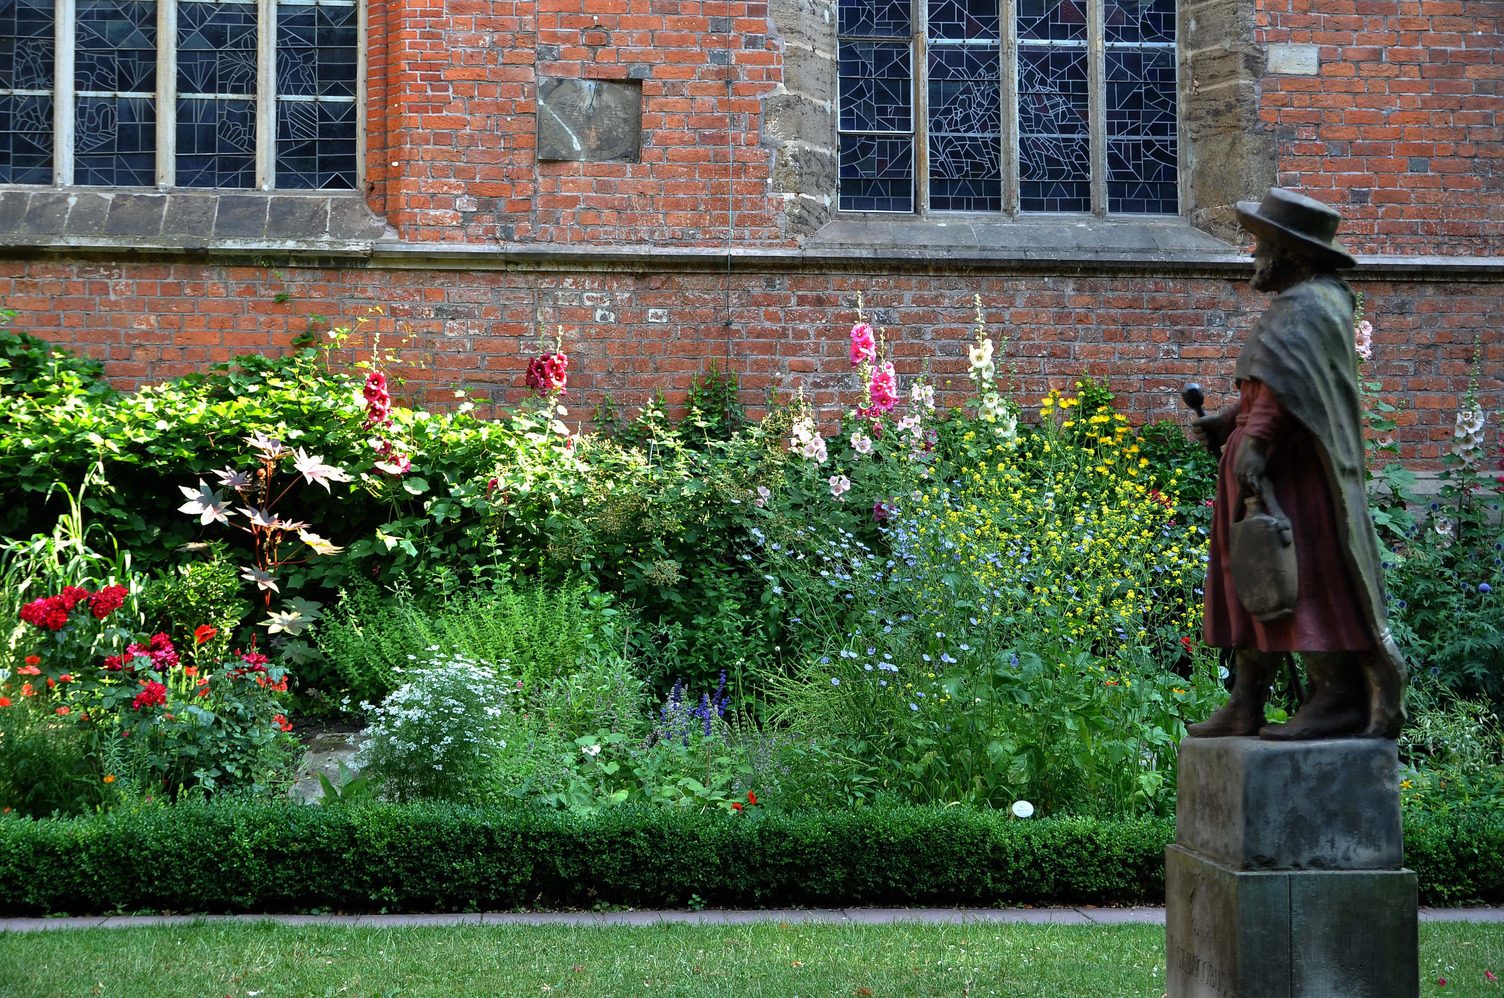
{"points": [[1302, 349]]}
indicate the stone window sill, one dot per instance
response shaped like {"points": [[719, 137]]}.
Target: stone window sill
{"points": [[1045, 239], [93, 218]]}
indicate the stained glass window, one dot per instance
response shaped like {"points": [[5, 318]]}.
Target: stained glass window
{"points": [[1142, 144], [965, 106], [206, 126], [115, 83], [26, 43], [217, 61], [1087, 90], [316, 94], [876, 105]]}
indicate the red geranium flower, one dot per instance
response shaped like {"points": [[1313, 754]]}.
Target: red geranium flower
{"points": [[33, 660], [107, 601], [154, 695]]}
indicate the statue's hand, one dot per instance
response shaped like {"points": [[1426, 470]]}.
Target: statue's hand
{"points": [[1249, 466], [1212, 431], [1208, 430]]}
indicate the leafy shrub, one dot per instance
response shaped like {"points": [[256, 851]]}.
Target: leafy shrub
{"points": [[202, 592], [229, 856], [1451, 752], [31, 366], [538, 630], [438, 734]]}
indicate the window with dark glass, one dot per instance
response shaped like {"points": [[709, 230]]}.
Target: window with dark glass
{"points": [[227, 94], [1008, 106]]}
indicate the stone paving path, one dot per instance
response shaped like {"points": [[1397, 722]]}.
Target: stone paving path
{"points": [[847, 916]]}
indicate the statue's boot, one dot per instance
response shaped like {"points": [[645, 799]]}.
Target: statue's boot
{"points": [[1338, 705], [1386, 708], [1243, 714]]}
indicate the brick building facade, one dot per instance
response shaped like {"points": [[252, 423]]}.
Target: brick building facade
{"points": [[723, 235]]}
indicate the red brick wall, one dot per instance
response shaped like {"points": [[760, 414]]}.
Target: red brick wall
{"points": [[453, 158], [476, 330], [1401, 130], [1404, 128]]}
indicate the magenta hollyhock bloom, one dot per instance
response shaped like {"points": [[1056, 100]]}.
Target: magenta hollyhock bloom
{"points": [[883, 388], [863, 345]]}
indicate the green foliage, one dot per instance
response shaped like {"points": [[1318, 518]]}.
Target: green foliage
{"points": [[204, 591], [1451, 752], [31, 366], [47, 765], [440, 857], [713, 405], [538, 630]]}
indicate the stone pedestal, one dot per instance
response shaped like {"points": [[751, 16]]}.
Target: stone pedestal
{"points": [[1286, 879]]}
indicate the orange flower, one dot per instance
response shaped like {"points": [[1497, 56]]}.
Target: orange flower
{"points": [[27, 691], [110, 778], [33, 660], [61, 710], [190, 670], [51, 683], [65, 678], [4, 701], [28, 669], [203, 633]]}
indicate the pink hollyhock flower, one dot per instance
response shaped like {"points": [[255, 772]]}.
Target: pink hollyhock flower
{"points": [[1363, 339], [863, 345], [883, 388], [838, 485], [548, 372]]}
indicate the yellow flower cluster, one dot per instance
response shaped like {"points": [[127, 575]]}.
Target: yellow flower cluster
{"points": [[1070, 534]]}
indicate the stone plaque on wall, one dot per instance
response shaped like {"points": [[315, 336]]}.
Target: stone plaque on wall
{"points": [[590, 120]]}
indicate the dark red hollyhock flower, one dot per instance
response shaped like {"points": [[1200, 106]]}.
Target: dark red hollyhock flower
{"points": [[548, 372], [378, 399]]}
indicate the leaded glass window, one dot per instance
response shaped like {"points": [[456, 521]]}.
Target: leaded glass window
{"points": [[1017, 106], [180, 93], [27, 28]]}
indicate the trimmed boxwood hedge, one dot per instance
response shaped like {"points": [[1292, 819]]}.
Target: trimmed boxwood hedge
{"points": [[251, 857]]}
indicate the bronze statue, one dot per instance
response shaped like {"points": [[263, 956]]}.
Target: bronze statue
{"points": [[1295, 564]]}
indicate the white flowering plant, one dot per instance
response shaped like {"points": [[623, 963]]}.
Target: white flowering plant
{"points": [[440, 733]]}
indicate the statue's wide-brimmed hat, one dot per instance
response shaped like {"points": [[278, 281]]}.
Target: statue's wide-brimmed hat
{"points": [[1285, 216]]}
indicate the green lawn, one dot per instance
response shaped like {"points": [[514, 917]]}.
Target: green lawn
{"points": [[263, 960]]}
